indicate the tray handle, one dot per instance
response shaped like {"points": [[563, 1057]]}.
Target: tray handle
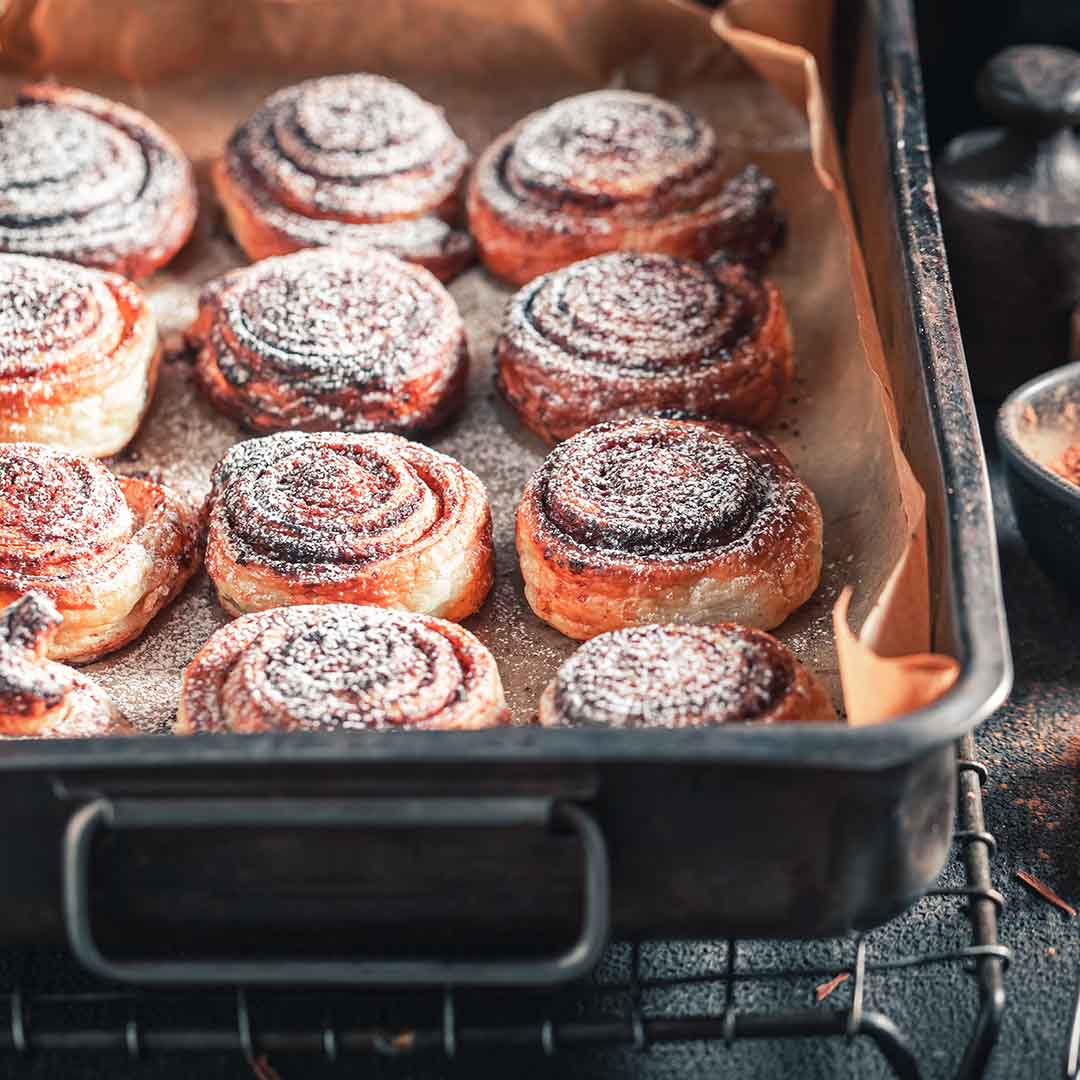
{"points": [[578, 960]]}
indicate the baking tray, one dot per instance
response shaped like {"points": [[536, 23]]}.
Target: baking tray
{"points": [[510, 856]]}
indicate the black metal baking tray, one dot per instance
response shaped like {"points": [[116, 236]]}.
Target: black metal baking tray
{"points": [[509, 856]]}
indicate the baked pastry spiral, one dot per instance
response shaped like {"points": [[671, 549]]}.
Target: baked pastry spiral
{"points": [[89, 180], [39, 697], [110, 552], [683, 676], [340, 667], [347, 160], [630, 334], [656, 521], [78, 356], [614, 170], [331, 340], [325, 518]]}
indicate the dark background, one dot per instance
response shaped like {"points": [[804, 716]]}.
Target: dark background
{"points": [[957, 36], [1032, 748]]}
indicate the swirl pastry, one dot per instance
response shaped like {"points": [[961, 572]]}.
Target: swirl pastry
{"points": [[343, 161], [78, 356], [656, 521], [340, 667], [683, 676], [630, 334], [331, 340], [326, 518], [110, 552], [39, 697], [91, 181], [614, 171]]}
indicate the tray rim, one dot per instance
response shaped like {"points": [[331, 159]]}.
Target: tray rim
{"points": [[973, 588]]}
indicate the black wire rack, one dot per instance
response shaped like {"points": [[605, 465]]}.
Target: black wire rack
{"points": [[626, 1005]]}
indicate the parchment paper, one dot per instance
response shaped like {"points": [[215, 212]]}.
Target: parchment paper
{"points": [[200, 66]]}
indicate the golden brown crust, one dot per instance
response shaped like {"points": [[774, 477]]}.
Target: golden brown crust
{"points": [[329, 340], [630, 334], [674, 676], [103, 186], [613, 171], [110, 552], [78, 356], [289, 178], [340, 667], [656, 521], [329, 518], [40, 698]]}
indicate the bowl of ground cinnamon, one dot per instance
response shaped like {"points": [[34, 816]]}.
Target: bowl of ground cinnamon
{"points": [[1038, 433]]}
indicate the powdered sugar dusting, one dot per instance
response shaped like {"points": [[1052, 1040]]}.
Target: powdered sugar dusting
{"points": [[85, 180], [673, 676], [355, 340], [51, 312], [56, 162], [57, 512], [609, 144], [626, 310], [336, 667], [666, 490], [346, 668], [353, 146], [422, 239], [601, 165], [320, 506], [353, 159], [30, 685]]}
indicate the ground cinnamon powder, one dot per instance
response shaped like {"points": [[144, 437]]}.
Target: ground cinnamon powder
{"points": [[1068, 465]]}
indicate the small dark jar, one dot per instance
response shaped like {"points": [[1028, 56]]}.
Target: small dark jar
{"points": [[1010, 208]]}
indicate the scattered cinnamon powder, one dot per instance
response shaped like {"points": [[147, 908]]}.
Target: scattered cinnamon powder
{"points": [[822, 991], [262, 1069], [1068, 465], [1048, 894]]}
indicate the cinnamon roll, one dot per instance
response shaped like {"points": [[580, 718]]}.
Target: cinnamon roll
{"points": [[343, 161], [38, 697], [78, 356], [656, 521], [110, 552], [340, 667], [91, 181], [683, 676], [331, 340], [630, 334], [324, 518], [614, 171]]}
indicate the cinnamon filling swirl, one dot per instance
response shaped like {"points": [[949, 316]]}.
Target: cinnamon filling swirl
{"points": [[347, 160], [109, 552], [331, 340], [652, 521], [91, 181], [611, 170], [340, 667], [366, 518], [78, 356], [683, 676], [631, 334]]}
